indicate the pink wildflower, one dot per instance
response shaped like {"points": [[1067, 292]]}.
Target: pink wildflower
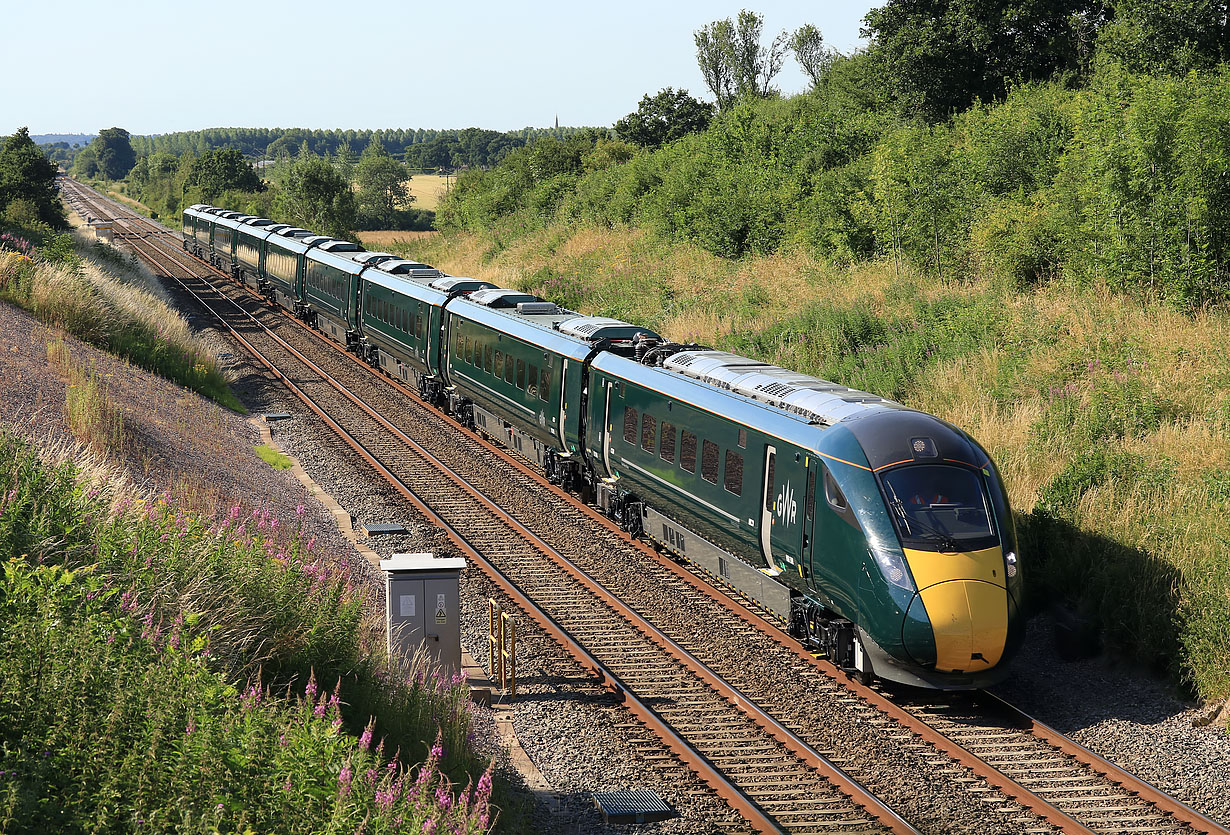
{"points": [[343, 779]]}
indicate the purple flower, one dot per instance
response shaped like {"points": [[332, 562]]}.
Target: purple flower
{"points": [[343, 779], [366, 739]]}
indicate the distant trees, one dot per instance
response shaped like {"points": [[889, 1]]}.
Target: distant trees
{"points": [[809, 50], [733, 61], [382, 185], [115, 154], [317, 197], [27, 183], [664, 118], [220, 170]]}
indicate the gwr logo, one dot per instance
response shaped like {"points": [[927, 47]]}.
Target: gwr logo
{"points": [[787, 509]]}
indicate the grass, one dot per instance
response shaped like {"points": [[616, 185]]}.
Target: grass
{"points": [[106, 302], [88, 408], [273, 458], [161, 670], [1108, 417]]}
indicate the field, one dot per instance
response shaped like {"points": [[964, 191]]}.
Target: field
{"points": [[427, 189], [1108, 417], [385, 238]]}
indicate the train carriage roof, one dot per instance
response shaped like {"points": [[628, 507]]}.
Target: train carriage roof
{"points": [[810, 397], [694, 392], [535, 328], [454, 284], [338, 261]]}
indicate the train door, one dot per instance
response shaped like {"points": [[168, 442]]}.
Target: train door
{"points": [[809, 521], [768, 506], [785, 479]]}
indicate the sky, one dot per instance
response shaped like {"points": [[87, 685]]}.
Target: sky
{"points": [[153, 67]]}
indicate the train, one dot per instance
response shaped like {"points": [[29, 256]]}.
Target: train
{"points": [[879, 535]]}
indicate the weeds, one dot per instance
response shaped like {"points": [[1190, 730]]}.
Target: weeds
{"points": [[164, 671], [273, 458], [90, 303]]}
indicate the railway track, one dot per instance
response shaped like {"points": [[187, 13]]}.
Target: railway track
{"points": [[1025, 776], [736, 747]]}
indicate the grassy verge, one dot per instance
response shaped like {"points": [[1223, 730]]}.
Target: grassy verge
{"points": [[1109, 417], [272, 457], [161, 671], [98, 297]]}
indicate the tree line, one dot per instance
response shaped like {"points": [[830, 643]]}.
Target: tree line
{"points": [[1062, 138]]}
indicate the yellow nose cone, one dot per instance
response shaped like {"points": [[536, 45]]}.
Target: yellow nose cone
{"points": [[967, 605]]}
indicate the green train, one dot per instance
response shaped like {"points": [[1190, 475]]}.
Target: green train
{"points": [[880, 535]]}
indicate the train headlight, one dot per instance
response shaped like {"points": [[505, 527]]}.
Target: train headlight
{"points": [[1010, 559], [892, 566]]}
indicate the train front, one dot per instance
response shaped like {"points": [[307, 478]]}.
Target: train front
{"points": [[940, 595]]}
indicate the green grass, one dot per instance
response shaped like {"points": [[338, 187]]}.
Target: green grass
{"points": [[273, 458], [165, 672]]}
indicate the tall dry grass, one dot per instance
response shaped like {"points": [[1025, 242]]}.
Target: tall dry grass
{"points": [[103, 299]]}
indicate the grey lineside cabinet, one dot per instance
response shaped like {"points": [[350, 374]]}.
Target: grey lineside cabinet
{"points": [[423, 607]]}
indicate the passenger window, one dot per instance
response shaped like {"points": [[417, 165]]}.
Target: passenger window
{"points": [[419, 326], [508, 369], [668, 443], [833, 493], [457, 342], [531, 377], [488, 363], [649, 433], [469, 349], [709, 461], [521, 374], [742, 438], [544, 385], [687, 451], [733, 476], [499, 365], [631, 417]]}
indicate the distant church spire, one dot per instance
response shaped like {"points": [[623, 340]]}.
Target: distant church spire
{"points": [[557, 121]]}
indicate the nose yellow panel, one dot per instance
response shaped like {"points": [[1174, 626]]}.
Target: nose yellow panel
{"points": [[967, 605], [970, 622]]}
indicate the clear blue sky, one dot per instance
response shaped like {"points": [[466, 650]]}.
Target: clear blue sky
{"points": [[76, 67]]}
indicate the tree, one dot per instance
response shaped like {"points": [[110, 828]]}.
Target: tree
{"points": [[317, 197], [733, 61], [27, 175], [664, 118], [942, 55], [115, 154], [809, 50], [220, 170], [382, 183], [1170, 36]]}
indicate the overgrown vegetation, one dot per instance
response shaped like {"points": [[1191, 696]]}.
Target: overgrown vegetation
{"points": [[109, 309], [161, 670]]}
